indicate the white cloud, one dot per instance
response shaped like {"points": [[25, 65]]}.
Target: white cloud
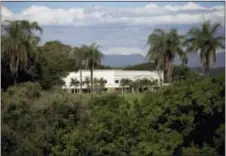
{"points": [[188, 6], [6, 13], [150, 14], [45, 15]]}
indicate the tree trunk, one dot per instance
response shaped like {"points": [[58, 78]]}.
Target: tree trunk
{"points": [[14, 80], [165, 76], [80, 81], [169, 72], [91, 76], [206, 66], [86, 64], [80, 91]]}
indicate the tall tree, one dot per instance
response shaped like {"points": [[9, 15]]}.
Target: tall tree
{"points": [[19, 44], [145, 83], [125, 82], [206, 41], [55, 60], [95, 85], [80, 54], [87, 82], [102, 83], [74, 83], [93, 58], [164, 46]]}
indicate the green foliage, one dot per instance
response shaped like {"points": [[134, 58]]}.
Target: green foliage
{"points": [[54, 61], [205, 40], [142, 66], [19, 51], [183, 119], [164, 46], [195, 151], [32, 120], [194, 108], [212, 71]]}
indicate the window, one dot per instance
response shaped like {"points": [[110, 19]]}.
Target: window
{"points": [[116, 81]]}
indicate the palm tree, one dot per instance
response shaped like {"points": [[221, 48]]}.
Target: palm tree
{"points": [[153, 84], [79, 54], [93, 59], [133, 86], [138, 84], [19, 44], [145, 83], [74, 83], [206, 41], [87, 82], [163, 49], [95, 84], [125, 82], [102, 83]]}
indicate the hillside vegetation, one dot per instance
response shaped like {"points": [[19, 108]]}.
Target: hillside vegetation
{"points": [[184, 119]]}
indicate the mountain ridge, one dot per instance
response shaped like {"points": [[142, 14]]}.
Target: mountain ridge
{"points": [[118, 60]]}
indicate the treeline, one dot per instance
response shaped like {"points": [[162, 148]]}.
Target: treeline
{"points": [[177, 69], [24, 60], [184, 119], [142, 66], [213, 71]]}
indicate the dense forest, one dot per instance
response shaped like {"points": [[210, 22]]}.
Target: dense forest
{"points": [[185, 118]]}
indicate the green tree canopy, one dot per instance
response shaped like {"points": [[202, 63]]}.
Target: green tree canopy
{"points": [[206, 41], [164, 46]]}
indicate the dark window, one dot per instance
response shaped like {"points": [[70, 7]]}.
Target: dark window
{"points": [[116, 81]]}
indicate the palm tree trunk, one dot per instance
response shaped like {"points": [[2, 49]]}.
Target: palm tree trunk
{"points": [[206, 66], [91, 75], [14, 79], [80, 84], [169, 72], [80, 81], [86, 64], [207, 69], [168, 75]]}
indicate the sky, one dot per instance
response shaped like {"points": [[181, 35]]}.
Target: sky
{"points": [[118, 27]]}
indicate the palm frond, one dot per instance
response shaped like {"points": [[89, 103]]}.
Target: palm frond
{"points": [[215, 28]]}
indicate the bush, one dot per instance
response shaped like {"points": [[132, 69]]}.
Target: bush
{"points": [[183, 119], [32, 120]]}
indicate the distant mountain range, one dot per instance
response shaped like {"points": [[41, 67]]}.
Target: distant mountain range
{"points": [[194, 60], [122, 60], [129, 60]]}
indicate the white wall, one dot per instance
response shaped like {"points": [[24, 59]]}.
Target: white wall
{"points": [[112, 75]]}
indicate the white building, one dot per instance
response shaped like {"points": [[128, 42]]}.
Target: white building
{"points": [[112, 77]]}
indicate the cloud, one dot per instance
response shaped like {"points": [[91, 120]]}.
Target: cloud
{"points": [[150, 14], [188, 6], [116, 30], [6, 14]]}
